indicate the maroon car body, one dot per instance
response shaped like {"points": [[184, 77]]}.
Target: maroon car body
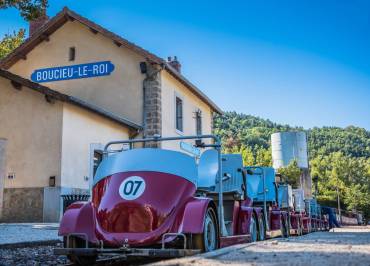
{"points": [[168, 203]]}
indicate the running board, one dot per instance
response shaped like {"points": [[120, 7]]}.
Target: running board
{"points": [[128, 252], [226, 241], [293, 232], [273, 233]]}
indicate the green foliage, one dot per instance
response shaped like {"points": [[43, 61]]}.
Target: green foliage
{"points": [[10, 42], [260, 157], [29, 9], [351, 141], [339, 157], [358, 198], [291, 173], [350, 175], [240, 129]]}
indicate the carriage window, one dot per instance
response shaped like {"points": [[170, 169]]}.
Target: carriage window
{"points": [[98, 157], [179, 122], [198, 122]]}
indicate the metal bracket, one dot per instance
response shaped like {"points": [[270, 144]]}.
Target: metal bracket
{"points": [[172, 234], [125, 244], [101, 244], [78, 234]]}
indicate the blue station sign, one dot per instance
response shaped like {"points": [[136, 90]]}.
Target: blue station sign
{"points": [[90, 70]]}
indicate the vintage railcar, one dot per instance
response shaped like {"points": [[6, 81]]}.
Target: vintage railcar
{"points": [[265, 193], [285, 211], [150, 202]]}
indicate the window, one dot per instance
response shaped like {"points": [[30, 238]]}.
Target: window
{"points": [[72, 53], [198, 122], [179, 123], [98, 157]]}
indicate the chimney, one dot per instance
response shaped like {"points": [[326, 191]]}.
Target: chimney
{"points": [[174, 63], [37, 23]]}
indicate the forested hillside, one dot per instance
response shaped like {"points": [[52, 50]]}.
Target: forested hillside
{"points": [[338, 156]]}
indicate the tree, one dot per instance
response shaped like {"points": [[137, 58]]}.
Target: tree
{"points": [[291, 173], [29, 9], [10, 42], [350, 175], [263, 157], [247, 155]]}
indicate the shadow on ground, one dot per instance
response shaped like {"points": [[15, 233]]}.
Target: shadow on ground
{"points": [[297, 258], [343, 238]]}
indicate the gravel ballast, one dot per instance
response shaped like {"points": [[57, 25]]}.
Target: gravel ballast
{"points": [[36, 255]]}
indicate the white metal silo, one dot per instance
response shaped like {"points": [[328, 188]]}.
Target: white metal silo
{"points": [[288, 146]]}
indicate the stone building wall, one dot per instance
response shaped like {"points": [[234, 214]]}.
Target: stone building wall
{"points": [[27, 201]]}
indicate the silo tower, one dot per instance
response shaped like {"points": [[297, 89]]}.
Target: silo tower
{"points": [[288, 146]]}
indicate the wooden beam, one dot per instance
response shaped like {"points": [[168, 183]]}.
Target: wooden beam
{"points": [[93, 30], [16, 85], [23, 56], [70, 18], [117, 43], [49, 98], [45, 37]]}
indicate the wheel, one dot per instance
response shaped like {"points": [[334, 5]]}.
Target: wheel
{"points": [[253, 229], [261, 228], [75, 242], [287, 225], [284, 227], [207, 241], [300, 227]]}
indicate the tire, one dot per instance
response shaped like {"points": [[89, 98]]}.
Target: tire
{"points": [[299, 227], [208, 240], [253, 229], [300, 224], [75, 242], [287, 225], [284, 227], [261, 228]]}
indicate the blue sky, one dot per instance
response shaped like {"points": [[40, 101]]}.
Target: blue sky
{"points": [[303, 63]]}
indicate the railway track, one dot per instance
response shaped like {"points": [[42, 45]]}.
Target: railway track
{"points": [[119, 260]]}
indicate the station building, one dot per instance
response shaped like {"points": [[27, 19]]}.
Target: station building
{"points": [[71, 87]]}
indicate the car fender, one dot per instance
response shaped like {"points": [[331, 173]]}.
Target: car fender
{"points": [[257, 211], [244, 219], [194, 213], [79, 219], [275, 219]]}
